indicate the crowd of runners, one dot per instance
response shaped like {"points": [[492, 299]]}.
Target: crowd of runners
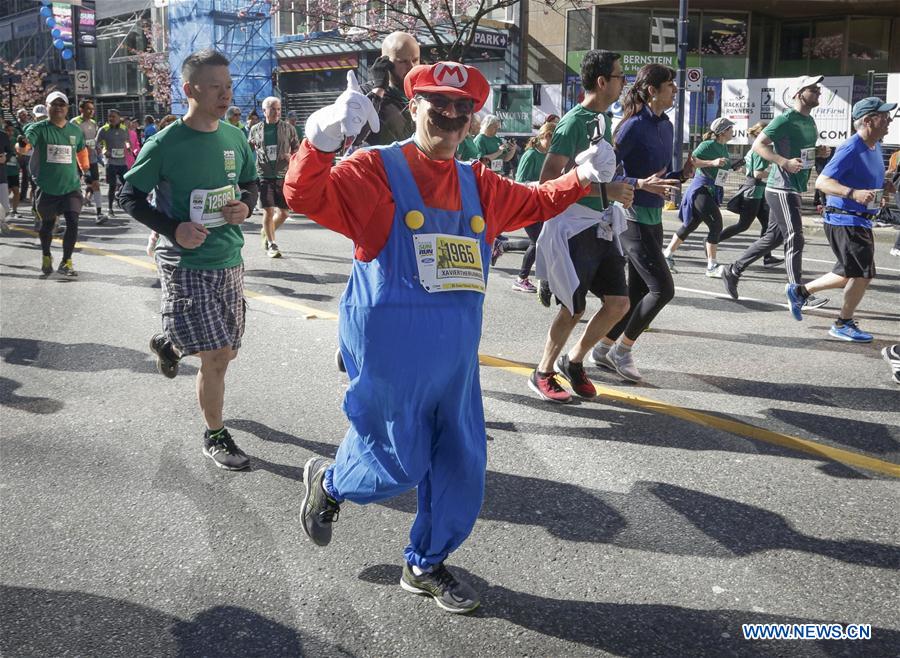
{"points": [[418, 188]]}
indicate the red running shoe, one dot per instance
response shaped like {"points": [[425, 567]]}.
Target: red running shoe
{"points": [[574, 372], [548, 388]]}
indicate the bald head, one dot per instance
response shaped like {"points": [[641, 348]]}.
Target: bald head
{"points": [[403, 51]]}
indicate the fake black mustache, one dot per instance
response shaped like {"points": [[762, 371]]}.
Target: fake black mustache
{"points": [[448, 124]]}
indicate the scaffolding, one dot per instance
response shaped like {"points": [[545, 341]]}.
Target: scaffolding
{"points": [[239, 29]]}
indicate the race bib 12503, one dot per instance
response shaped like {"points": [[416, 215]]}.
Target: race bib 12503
{"points": [[449, 262], [206, 205]]}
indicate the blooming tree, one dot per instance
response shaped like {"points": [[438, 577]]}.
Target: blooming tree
{"points": [[27, 88], [155, 65]]}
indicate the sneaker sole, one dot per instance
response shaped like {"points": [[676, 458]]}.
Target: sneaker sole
{"points": [[223, 466], [601, 363], [278, 255], [307, 477], [412, 589], [517, 289], [817, 304], [159, 368], [848, 338], [771, 266], [544, 397]]}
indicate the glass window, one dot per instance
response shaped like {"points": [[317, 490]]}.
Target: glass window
{"points": [[578, 29], [869, 44], [724, 34], [826, 47], [623, 30], [664, 36], [792, 54]]}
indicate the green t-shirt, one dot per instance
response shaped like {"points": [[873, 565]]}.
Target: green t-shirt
{"points": [[644, 215], [270, 138], [467, 150], [530, 165], [792, 133], [572, 136], [181, 163], [55, 147], [711, 150], [754, 162], [487, 145]]}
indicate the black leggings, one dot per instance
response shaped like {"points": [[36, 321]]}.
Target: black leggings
{"points": [[706, 211], [69, 238], [650, 285], [752, 209], [24, 177], [533, 231]]}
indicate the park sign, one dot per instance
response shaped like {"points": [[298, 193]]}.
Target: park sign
{"points": [[745, 102], [513, 105]]}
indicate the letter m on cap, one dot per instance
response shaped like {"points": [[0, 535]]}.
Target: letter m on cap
{"points": [[448, 74]]}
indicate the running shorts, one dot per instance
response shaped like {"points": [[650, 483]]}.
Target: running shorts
{"points": [[271, 193], [50, 206], [92, 174], [854, 248], [599, 266], [114, 172]]}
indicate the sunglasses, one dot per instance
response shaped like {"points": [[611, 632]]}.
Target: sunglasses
{"points": [[441, 103], [59, 104]]}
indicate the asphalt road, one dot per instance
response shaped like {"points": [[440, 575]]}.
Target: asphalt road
{"points": [[751, 478]]}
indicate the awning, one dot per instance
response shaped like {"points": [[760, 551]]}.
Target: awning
{"points": [[321, 63]]}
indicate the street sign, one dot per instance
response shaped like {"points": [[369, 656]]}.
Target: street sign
{"points": [[83, 85], [694, 79]]}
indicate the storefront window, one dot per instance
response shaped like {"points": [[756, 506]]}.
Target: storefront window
{"points": [[793, 57], [826, 47], [623, 30], [723, 35], [579, 29], [664, 35], [869, 44]]}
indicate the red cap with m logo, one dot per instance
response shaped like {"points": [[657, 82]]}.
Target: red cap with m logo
{"points": [[449, 78]]}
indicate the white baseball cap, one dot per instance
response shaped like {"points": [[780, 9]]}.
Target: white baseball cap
{"points": [[56, 95], [39, 111], [804, 81]]}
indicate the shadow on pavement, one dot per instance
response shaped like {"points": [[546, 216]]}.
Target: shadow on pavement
{"points": [[629, 629], [871, 437], [35, 405]]}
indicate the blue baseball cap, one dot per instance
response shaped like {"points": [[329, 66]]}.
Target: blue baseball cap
{"points": [[870, 105]]}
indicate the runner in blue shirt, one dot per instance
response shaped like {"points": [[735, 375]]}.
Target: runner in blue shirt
{"points": [[854, 183]]}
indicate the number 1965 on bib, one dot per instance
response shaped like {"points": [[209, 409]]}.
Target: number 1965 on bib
{"points": [[449, 262]]}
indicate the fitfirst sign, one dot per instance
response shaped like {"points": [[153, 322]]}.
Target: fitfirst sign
{"points": [[746, 102]]}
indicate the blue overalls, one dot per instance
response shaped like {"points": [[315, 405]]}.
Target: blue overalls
{"points": [[414, 401]]}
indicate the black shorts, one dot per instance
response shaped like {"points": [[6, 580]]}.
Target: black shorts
{"points": [[599, 266], [115, 171], [12, 181], [50, 206], [854, 248], [93, 173], [271, 193]]}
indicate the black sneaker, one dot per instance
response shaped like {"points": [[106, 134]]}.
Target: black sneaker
{"points": [[772, 261], [814, 302], [449, 593], [574, 372], [102, 219], [66, 268], [730, 281], [544, 293], [223, 451], [166, 358], [319, 510]]}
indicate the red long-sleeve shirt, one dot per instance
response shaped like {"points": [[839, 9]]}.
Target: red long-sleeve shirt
{"points": [[354, 197]]}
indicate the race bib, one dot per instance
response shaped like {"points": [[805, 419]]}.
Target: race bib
{"points": [[59, 153], [721, 177], [117, 154], [206, 205], [808, 158], [875, 204], [448, 262], [272, 152], [90, 143], [497, 165]]}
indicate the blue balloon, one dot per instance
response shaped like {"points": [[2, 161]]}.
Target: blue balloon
{"points": [[67, 54], [51, 22], [46, 12], [59, 44], [55, 33]]}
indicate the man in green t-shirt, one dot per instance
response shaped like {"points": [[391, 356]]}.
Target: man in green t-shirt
{"points": [[597, 262], [789, 143], [274, 141], [467, 151], [60, 156], [201, 170]]}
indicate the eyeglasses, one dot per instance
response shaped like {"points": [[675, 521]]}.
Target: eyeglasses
{"points": [[610, 77], [59, 104], [441, 103]]}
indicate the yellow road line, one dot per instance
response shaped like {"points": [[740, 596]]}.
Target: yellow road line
{"points": [[724, 424]]}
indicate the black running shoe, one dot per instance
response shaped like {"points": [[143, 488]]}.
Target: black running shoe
{"points": [[166, 357], [449, 593], [318, 509], [814, 302], [574, 372], [773, 261], [544, 295], [730, 281], [224, 452]]}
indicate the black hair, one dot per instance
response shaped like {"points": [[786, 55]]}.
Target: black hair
{"points": [[149, 119], [195, 61], [84, 102], [638, 95], [595, 64]]}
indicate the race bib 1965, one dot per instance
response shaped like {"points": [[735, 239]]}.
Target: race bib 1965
{"points": [[808, 158], [449, 262], [721, 177], [59, 153], [206, 205]]}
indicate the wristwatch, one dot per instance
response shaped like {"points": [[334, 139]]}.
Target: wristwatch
{"points": [[849, 194]]}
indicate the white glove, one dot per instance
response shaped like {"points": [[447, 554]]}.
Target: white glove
{"points": [[597, 163], [327, 127]]}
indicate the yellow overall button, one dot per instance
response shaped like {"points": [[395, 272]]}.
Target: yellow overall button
{"points": [[414, 219], [478, 223]]}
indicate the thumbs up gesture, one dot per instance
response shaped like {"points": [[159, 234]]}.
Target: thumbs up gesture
{"points": [[326, 128]]}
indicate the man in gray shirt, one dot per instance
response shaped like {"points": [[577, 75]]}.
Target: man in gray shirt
{"points": [[112, 140]]}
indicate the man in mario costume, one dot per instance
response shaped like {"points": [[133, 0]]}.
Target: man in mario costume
{"points": [[422, 224]]}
